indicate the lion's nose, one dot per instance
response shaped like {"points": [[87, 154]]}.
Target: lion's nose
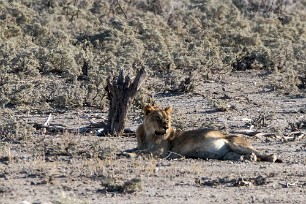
{"points": [[165, 125]]}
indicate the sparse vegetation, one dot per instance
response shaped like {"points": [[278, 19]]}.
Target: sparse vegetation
{"points": [[56, 56], [72, 45]]}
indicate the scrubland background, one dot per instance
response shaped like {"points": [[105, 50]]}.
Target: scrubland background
{"points": [[55, 56], [58, 54]]}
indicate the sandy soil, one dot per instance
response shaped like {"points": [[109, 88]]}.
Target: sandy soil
{"points": [[84, 168]]}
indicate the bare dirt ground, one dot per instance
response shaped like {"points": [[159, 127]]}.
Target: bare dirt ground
{"points": [[83, 168]]}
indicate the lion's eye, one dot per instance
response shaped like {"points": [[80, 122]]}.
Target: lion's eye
{"points": [[158, 118]]}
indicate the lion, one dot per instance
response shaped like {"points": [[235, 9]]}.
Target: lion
{"points": [[157, 137]]}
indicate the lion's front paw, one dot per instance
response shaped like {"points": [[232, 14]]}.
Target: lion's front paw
{"points": [[272, 158], [250, 157], [128, 154]]}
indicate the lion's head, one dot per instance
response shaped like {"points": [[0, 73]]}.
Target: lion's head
{"points": [[157, 121]]}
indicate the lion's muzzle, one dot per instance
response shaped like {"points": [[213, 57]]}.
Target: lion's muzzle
{"points": [[160, 133]]}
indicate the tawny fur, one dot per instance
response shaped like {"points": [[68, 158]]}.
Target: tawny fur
{"points": [[156, 137]]}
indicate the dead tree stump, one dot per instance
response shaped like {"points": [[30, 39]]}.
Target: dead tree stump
{"points": [[121, 93]]}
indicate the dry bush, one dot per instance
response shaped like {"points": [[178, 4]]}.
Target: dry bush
{"points": [[79, 43], [130, 186], [265, 7], [13, 129]]}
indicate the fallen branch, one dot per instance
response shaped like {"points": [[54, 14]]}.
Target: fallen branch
{"points": [[246, 132], [93, 128], [263, 134], [294, 136]]}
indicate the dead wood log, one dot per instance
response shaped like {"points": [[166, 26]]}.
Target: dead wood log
{"points": [[121, 93]]}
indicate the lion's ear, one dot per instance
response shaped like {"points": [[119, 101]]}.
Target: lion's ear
{"points": [[169, 110], [148, 109]]}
